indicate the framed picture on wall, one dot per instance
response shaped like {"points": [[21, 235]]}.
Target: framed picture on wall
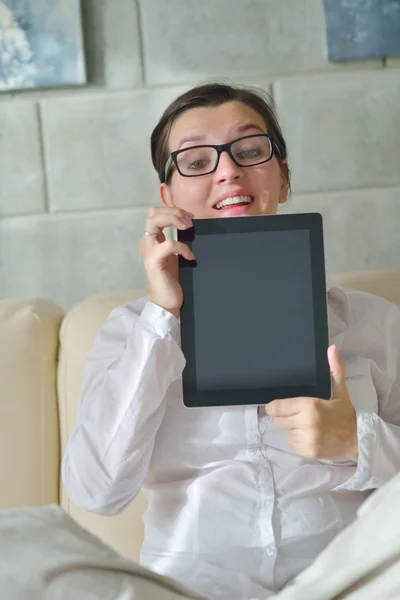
{"points": [[41, 44], [358, 29]]}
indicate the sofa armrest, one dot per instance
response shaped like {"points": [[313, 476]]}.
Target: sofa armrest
{"points": [[29, 440]]}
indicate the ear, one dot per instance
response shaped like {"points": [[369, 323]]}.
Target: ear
{"points": [[283, 196], [165, 195]]}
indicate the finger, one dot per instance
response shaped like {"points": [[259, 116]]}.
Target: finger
{"points": [[286, 407], [170, 210], [180, 212], [168, 248], [286, 423], [338, 373], [158, 222], [156, 211]]}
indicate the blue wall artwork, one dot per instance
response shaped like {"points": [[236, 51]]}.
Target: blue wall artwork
{"points": [[40, 44], [362, 28]]}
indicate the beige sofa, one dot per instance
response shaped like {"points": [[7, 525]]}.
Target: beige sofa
{"points": [[41, 362]]}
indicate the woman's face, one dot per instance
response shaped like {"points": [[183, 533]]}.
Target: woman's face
{"points": [[264, 184]]}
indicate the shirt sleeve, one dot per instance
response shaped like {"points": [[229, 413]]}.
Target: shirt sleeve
{"points": [[136, 356], [379, 434]]}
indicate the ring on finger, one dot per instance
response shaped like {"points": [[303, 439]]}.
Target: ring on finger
{"points": [[150, 234]]}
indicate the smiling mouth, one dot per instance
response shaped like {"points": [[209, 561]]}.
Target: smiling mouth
{"points": [[234, 201]]}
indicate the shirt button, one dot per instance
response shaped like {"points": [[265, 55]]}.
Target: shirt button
{"points": [[270, 551]]}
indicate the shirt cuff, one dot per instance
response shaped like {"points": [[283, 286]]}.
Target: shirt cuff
{"points": [[363, 478], [160, 321]]}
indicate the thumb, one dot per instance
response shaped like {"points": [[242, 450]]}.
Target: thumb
{"points": [[339, 387]]}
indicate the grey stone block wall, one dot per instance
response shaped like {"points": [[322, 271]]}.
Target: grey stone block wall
{"points": [[113, 43], [22, 177], [361, 227], [341, 129], [66, 257], [76, 178], [97, 149]]}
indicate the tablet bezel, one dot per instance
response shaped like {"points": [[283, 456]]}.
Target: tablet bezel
{"points": [[265, 223]]}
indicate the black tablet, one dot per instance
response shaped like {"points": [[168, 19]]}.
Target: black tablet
{"points": [[254, 323]]}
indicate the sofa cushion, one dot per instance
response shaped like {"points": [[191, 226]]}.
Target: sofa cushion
{"points": [[123, 532]]}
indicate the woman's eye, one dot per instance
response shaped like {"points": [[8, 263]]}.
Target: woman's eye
{"points": [[250, 153], [197, 164]]}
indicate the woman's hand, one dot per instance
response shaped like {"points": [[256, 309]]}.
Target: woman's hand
{"points": [[318, 428], [160, 256]]}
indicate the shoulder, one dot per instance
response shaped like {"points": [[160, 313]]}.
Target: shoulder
{"points": [[368, 333]]}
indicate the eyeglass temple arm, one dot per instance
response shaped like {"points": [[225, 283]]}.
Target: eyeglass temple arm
{"points": [[276, 148], [167, 167]]}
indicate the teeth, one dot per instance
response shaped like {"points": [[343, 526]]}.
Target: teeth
{"points": [[234, 200]]}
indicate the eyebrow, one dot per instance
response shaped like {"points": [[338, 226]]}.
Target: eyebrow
{"points": [[190, 138], [247, 126], [241, 129]]}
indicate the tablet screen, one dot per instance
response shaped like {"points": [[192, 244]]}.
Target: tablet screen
{"points": [[249, 320], [242, 293]]}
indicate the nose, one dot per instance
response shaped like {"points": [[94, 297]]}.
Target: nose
{"points": [[227, 169]]}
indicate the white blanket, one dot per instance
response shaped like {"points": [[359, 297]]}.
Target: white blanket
{"points": [[45, 555], [363, 562]]}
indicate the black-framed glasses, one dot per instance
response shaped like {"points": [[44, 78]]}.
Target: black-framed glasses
{"points": [[247, 151]]}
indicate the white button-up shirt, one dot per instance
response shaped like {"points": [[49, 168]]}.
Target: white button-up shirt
{"points": [[233, 512]]}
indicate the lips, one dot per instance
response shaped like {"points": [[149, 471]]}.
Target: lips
{"points": [[235, 201], [238, 197]]}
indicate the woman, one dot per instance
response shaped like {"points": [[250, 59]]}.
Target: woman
{"points": [[241, 499]]}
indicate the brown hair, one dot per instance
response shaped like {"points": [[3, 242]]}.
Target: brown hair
{"points": [[215, 94]]}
